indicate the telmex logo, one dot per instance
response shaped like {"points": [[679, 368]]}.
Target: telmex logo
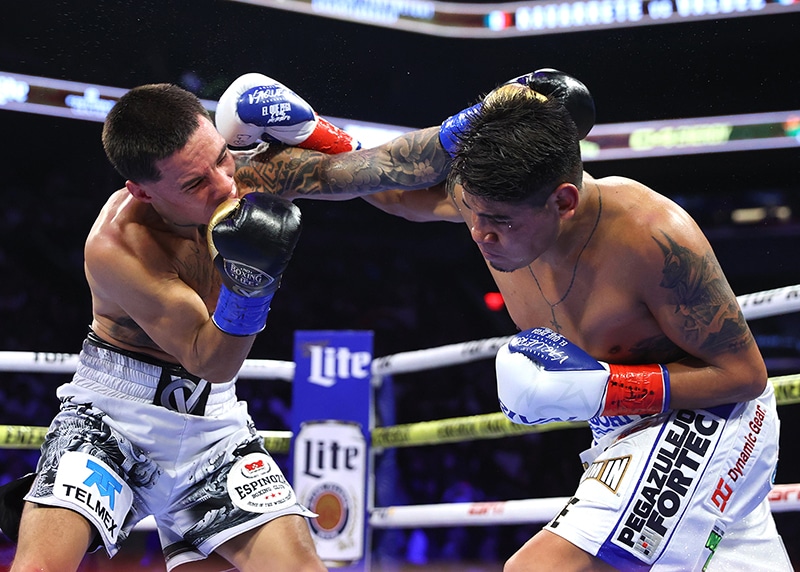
{"points": [[104, 481], [13, 90]]}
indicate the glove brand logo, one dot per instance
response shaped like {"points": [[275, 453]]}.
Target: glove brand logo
{"points": [[552, 349], [526, 420], [272, 101], [247, 276], [263, 95], [329, 364]]}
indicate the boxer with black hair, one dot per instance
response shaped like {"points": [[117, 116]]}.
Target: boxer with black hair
{"points": [[627, 321], [183, 264]]}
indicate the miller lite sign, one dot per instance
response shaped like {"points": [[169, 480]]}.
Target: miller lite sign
{"points": [[331, 405], [329, 478]]}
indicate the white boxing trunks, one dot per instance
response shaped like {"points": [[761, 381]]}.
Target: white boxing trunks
{"points": [[682, 491], [135, 437]]}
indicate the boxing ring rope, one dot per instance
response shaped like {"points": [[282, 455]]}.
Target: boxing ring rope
{"points": [[756, 305], [783, 497]]}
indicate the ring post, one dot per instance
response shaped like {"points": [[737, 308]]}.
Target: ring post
{"points": [[331, 422]]}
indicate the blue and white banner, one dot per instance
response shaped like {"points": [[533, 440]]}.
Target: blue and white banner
{"points": [[331, 422]]}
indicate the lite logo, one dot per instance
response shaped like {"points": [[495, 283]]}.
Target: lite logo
{"points": [[320, 457], [330, 468], [105, 482], [330, 363]]}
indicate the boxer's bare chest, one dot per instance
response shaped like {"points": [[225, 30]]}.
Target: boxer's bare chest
{"points": [[598, 311]]}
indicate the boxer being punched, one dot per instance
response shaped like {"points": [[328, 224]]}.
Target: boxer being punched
{"points": [[182, 265], [627, 321]]}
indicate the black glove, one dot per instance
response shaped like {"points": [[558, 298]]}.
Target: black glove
{"points": [[251, 241]]}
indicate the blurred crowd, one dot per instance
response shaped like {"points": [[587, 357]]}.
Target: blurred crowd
{"points": [[414, 286]]}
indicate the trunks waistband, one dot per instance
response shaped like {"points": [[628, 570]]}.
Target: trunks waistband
{"points": [[145, 379]]}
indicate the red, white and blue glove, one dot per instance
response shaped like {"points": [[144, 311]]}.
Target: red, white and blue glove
{"points": [[573, 94], [258, 108], [543, 377]]}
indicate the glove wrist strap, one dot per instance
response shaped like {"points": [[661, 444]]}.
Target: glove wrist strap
{"points": [[239, 315], [327, 138], [636, 390], [454, 125]]}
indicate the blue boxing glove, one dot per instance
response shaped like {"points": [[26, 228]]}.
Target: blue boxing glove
{"points": [[251, 241], [573, 94], [258, 108], [543, 377]]}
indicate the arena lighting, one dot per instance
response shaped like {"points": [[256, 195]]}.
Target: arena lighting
{"points": [[774, 130], [494, 301], [754, 215], [529, 18]]}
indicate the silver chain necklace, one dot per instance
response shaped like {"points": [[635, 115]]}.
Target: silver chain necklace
{"points": [[554, 321]]}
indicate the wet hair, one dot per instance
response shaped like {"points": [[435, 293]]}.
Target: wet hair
{"points": [[147, 124], [517, 148]]}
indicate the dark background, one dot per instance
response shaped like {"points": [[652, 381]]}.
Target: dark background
{"points": [[415, 285]]}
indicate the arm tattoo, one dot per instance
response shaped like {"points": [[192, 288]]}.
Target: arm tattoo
{"points": [[415, 160], [711, 317], [661, 346], [127, 330]]}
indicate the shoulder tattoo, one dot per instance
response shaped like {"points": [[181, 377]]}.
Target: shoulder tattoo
{"points": [[702, 296]]}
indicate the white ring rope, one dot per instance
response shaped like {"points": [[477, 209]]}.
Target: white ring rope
{"points": [[756, 305], [783, 498]]}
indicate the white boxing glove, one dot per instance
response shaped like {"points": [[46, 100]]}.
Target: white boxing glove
{"points": [[543, 377], [258, 108]]}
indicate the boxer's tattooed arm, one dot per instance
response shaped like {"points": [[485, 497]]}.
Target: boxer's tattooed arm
{"points": [[711, 318], [415, 160]]}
